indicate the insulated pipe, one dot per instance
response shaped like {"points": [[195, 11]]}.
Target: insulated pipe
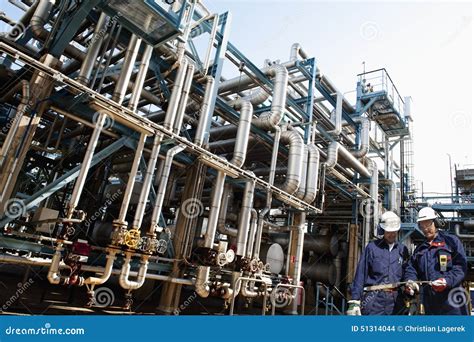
{"points": [[253, 229], [221, 226], [109, 265], [244, 218], [131, 179], [336, 119], [141, 76], [23, 107], [297, 49], [40, 18], [243, 131], [176, 95], [124, 280], [127, 69], [54, 276], [204, 115], [335, 149], [183, 101], [295, 160], [155, 217], [312, 174], [457, 231], [271, 119], [304, 169], [217, 191], [374, 191], [393, 205], [85, 166], [202, 279], [92, 51], [364, 140], [146, 187]]}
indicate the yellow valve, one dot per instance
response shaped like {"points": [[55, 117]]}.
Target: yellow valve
{"points": [[132, 238]]}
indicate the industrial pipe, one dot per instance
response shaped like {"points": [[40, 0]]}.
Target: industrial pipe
{"points": [[312, 174]]}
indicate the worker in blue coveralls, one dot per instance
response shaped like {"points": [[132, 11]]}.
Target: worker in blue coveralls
{"points": [[382, 262], [441, 262]]}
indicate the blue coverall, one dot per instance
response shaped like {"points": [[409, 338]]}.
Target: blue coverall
{"points": [[425, 265], [378, 265]]}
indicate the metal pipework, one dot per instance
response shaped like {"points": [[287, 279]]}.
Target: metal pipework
{"points": [[271, 119], [304, 169], [312, 174], [364, 140], [244, 218], [297, 49], [393, 205], [124, 280], [374, 192], [204, 115], [21, 109], [217, 190], [40, 18], [176, 95], [93, 51], [155, 217], [146, 187], [336, 119], [295, 160], [141, 76], [127, 69], [243, 131], [109, 265], [253, 230], [335, 149], [322, 272], [85, 166], [221, 225], [183, 101], [54, 276], [202, 280], [131, 179]]}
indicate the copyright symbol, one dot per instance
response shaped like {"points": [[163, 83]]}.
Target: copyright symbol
{"points": [[400, 328]]}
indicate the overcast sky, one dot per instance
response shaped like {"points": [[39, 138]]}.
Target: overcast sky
{"points": [[425, 46]]}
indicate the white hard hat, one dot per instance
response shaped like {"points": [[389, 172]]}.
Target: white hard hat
{"points": [[390, 222], [426, 213]]}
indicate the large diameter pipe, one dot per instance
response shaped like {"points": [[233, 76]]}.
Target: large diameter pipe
{"points": [[304, 170], [320, 272], [374, 192], [109, 265], [183, 101], [312, 174], [335, 149], [364, 137], [295, 160], [204, 115], [217, 191], [141, 76], [176, 95], [127, 69], [337, 117], [124, 278], [40, 17], [243, 131], [93, 51], [297, 49]]}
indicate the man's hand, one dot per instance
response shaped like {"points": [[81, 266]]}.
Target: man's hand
{"points": [[439, 285], [411, 288], [354, 308]]}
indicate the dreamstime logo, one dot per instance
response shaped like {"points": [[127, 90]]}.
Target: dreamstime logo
{"points": [[14, 208], [13, 30], [108, 120], [192, 208], [369, 30], [99, 212], [366, 208], [22, 287], [459, 119], [281, 297], [457, 297], [185, 304], [103, 297]]}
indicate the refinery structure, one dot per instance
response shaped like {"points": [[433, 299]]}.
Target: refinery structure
{"points": [[136, 176]]}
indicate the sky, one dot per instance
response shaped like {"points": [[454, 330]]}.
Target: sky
{"points": [[426, 48]]}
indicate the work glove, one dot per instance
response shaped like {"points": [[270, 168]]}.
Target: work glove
{"points": [[411, 288], [439, 285], [354, 308]]}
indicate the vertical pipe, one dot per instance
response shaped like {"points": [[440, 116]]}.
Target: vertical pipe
{"points": [[244, 218], [141, 76], [217, 191], [175, 96], [86, 162], [204, 115], [131, 179], [183, 101]]}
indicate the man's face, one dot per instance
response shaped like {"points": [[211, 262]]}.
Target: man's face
{"points": [[428, 228], [390, 237]]}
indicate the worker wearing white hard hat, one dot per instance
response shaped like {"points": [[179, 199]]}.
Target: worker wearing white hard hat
{"points": [[441, 261], [382, 262]]}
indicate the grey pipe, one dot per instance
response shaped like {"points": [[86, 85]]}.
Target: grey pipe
{"points": [[253, 230], [243, 131], [141, 76], [124, 278], [244, 218], [176, 95], [146, 187], [312, 174], [204, 115], [336, 119], [280, 84], [297, 49], [374, 192], [295, 160], [335, 149], [155, 217], [364, 140], [93, 51], [127, 69], [304, 169], [393, 205], [40, 18], [221, 225], [217, 191], [183, 101]]}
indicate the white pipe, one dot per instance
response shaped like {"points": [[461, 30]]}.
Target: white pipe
{"points": [[54, 276], [124, 280], [243, 131], [183, 101], [374, 193], [335, 149], [175, 95], [204, 115], [146, 186], [336, 119], [295, 160], [253, 230], [86, 163], [202, 281], [109, 265], [40, 18], [244, 218], [155, 217], [140, 80], [304, 169], [297, 49], [364, 140], [393, 205]]}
